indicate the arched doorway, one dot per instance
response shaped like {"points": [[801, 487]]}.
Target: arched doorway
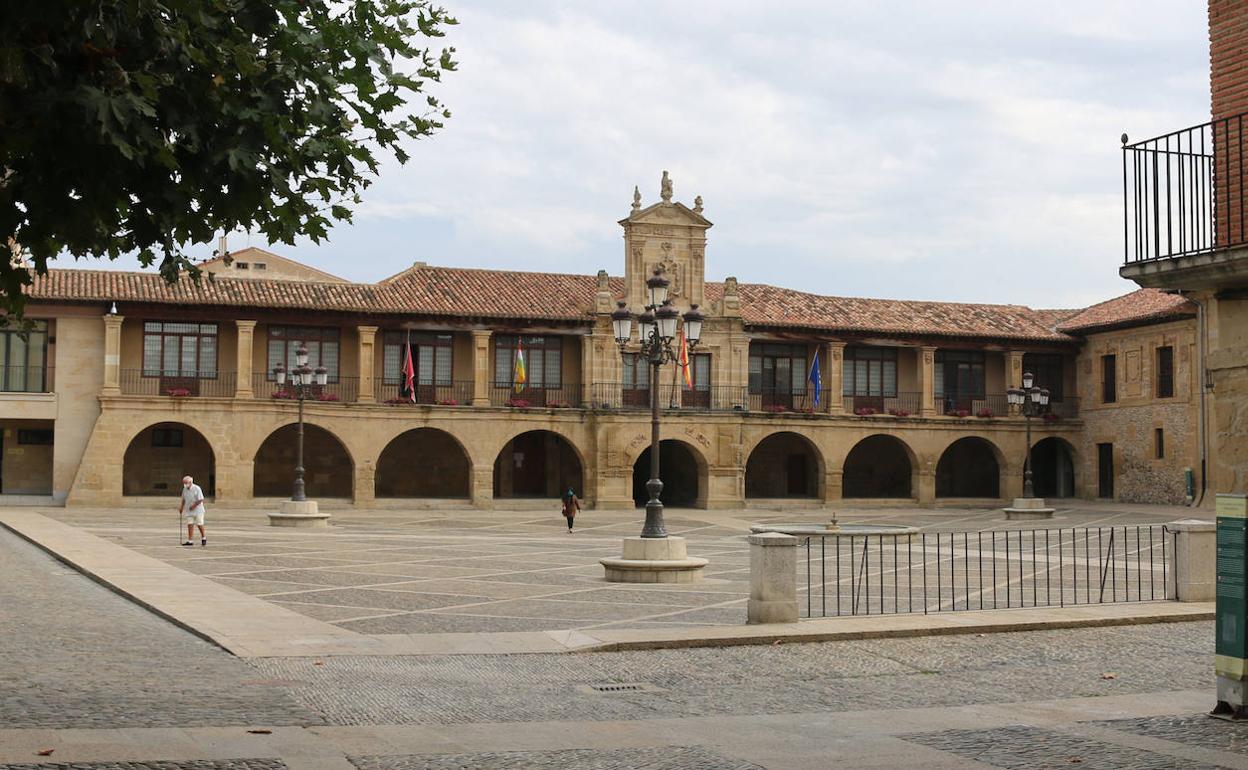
{"points": [[327, 467], [784, 464], [680, 471], [878, 466], [1053, 468], [161, 455], [969, 468], [423, 462], [539, 463]]}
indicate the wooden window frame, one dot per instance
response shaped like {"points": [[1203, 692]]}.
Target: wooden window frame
{"points": [[1165, 375], [305, 335], [1109, 384], [199, 335]]}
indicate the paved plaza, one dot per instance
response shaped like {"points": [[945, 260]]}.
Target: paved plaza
{"points": [[422, 572], [104, 684]]}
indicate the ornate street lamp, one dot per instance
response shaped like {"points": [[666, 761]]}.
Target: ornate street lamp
{"points": [[657, 327], [302, 379], [1033, 401]]}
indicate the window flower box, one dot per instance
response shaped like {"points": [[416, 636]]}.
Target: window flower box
{"points": [[517, 403], [963, 413], [985, 414], [178, 392], [899, 412], [865, 411]]}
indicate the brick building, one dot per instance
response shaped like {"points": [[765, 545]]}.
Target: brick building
{"points": [[108, 408]]}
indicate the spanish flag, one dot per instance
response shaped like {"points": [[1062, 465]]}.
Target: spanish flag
{"points": [[519, 376], [683, 360]]}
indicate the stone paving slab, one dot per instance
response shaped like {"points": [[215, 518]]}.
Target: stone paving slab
{"points": [[1029, 748], [653, 758]]}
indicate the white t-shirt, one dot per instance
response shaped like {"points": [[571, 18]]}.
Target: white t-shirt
{"points": [[189, 496]]}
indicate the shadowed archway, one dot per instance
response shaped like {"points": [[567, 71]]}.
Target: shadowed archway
{"points": [[161, 454], [784, 464], [682, 471], [538, 463], [969, 468], [1053, 468], [878, 466], [328, 470], [423, 462]]}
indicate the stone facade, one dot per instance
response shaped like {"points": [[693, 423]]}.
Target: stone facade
{"points": [[1130, 424], [125, 431]]}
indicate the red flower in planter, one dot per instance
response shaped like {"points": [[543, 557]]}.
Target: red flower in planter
{"points": [[327, 397], [958, 413], [448, 402], [985, 413], [282, 395], [775, 408], [178, 392], [899, 412], [1051, 418], [865, 411], [517, 403]]}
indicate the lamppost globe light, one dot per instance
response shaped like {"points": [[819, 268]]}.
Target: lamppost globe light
{"points": [[657, 287], [1044, 397], [279, 374], [322, 375], [693, 325], [1035, 395], [1015, 396], [666, 317], [645, 327], [622, 322], [1028, 379], [301, 356]]}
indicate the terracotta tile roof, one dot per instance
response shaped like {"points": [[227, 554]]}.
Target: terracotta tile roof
{"points": [[433, 291], [463, 292], [763, 305], [1139, 307]]}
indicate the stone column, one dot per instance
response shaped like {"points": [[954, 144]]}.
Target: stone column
{"points": [[368, 339], [483, 486], [481, 374], [926, 491], [1191, 570], [1014, 374], [112, 354], [242, 365], [773, 579], [927, 381], [364, 484], [833, 374]]}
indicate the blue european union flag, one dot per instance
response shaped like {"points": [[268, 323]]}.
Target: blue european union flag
{"points": [[815, 378]]}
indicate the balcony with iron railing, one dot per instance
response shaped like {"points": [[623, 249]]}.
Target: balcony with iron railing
{"points": [[177, 384], [628, 397], [1183, 192]]}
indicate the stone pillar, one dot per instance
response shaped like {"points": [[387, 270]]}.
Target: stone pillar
{"points": [[364, 483], [1191, 569], [368, 338], [926, 371], [926, 488], [242, 365], [112, 354], [483, 486], [481, 374], [833, 374], [773, 579], [1014, 374], [833, 485]]}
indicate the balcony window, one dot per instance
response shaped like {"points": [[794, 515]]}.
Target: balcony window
{"points": [[1165, 372], [1109, 379], [543, 361], [1048, 372], [323, 344], [23, 356], [777, 372], [179, 350], [959, 378], [869, 375], [635, 383], [433, 359], [700, 373]]}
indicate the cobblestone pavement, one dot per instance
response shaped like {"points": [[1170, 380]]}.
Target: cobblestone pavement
{"points": [[842, 676], [1197, 729], [418, 572], [1029, 748], [192, 764], [73, 654], [656, 758]]}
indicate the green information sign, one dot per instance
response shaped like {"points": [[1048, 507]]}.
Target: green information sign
{"points": [[1231, 659]]}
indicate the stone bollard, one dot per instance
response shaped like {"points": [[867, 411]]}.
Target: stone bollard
{"points": [[1192, 560], [773, 578]]}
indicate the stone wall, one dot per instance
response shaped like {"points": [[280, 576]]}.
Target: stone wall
{"points": [[25, 469]]}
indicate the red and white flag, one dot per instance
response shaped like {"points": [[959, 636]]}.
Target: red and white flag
{"points": [[408, 387]]}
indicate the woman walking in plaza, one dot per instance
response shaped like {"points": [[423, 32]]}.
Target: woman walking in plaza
{"points": [[570, 508]]}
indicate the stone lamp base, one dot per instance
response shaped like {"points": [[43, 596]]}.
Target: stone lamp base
{"points": [[654, 560], [305, 514], [1029, 508]]}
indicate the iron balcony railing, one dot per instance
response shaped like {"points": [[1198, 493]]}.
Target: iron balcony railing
{"points": [[1183, 192], [563, 396], [454, 393], [176, 383], [898, 404], [25, 379], [874, 574], [337, 390], [625, 396], [955, 404]]}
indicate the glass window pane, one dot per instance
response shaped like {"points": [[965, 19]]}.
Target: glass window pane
{"points": [[554, 368], [329, 358], [172, 351], [502, 366], [208, 356], [277, 355], [702, 371], [938, 378], [391, 363], [890, 378], [190, 356], [443, 365], [424, 365], [533, 360]]}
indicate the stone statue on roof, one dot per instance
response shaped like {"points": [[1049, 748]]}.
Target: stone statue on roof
{"points": [[697, 204], [665, 188], [636, 198]]}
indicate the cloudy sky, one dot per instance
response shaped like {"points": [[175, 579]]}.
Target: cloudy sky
{"points": [[951, 150]]}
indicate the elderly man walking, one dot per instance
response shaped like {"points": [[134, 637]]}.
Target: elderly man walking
{"points": [[192, 510]]}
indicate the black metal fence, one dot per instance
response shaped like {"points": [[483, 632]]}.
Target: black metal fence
{"points": [[1183, 192], [927, 572], [454, 393], [176, 384], [710, 398], [551, 397]]}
